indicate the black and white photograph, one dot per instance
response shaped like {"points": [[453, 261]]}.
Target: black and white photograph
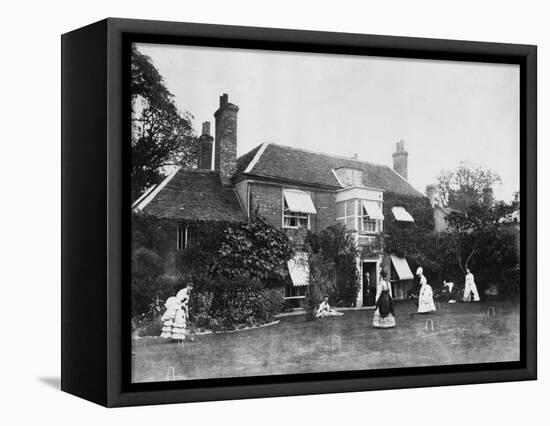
{"points": [[302, 212]]}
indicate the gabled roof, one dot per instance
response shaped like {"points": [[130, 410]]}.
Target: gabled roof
{"points": [[313, 168], [192, 195]]}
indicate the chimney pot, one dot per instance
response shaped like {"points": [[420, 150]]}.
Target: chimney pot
{"points": [[224, 99], [206, 128], [400, 159], [206, 147]]}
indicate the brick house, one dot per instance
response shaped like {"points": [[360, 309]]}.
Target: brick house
{"points": [[292, 189]]}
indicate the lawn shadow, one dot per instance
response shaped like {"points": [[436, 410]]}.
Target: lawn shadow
{"points": [[54, 382]]}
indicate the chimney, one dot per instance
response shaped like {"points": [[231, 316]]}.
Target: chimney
{"points": [[431, 193], [400, 159], [488, 197], [206, 144], [225, 156]]}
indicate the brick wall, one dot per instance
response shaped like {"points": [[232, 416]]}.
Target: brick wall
{"points": [[225, 152], [267, 200], [242, 193], [206, 144]]}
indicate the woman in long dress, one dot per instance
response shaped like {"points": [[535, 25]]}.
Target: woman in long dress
{"points": [[182, 314], [470, 288], [425, 297], [168, 317], [384, 313]]}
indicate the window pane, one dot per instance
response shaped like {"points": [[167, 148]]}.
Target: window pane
{"points": [[340, 212], [350, 206]]}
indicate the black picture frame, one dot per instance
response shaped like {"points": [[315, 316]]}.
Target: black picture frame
{"points": [[96, 207]]}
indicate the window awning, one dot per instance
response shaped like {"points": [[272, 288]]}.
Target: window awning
{"points": [[298, 267], [402, 268], [299, 201], [373, 210], [401, 214]]}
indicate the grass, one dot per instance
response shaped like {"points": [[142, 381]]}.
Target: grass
{"points": [[463, 333]]}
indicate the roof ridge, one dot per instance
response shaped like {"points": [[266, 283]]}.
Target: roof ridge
{"points": [[250, 150], [404, 180], [311, 151], [151, 195], [256, 157]]}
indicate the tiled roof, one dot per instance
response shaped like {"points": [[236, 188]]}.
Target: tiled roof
{"points": [[244, 160], [307, 167], [196, 195]]}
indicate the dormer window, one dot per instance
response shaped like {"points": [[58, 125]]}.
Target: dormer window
{"points": [[349, 176], [297, 208]]}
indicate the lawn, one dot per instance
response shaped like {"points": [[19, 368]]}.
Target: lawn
{"points": [[463, 333]]}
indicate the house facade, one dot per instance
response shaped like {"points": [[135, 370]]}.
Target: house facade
{"points": [[293, 189]]}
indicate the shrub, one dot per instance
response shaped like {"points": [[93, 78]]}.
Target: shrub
{"points": [[241, 302], [321, 284], [253, 250], [146, 266], [199, 309], [236, 269], [148, 327], [270, 303], [336, 246]]}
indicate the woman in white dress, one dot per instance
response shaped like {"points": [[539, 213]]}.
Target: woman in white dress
{"points": [[425, 297], [384, 313], [326, 311], [168, 317], [182, 313], [470, 288]]}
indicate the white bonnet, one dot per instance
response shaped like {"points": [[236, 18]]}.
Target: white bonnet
{"points": [[419, 270]]}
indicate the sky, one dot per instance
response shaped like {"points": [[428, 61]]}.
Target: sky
{"points": [[445, 111]]}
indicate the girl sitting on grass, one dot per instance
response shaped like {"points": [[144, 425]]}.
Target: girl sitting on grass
{"points": [[326, 311]]}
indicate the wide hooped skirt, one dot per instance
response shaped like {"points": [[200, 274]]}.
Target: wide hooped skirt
{"points": [[383, 322]]}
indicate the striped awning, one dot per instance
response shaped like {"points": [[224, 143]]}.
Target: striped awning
{"points": [[402, 268], [401, 214], [298, 268], [299, 201], [373, 210]]}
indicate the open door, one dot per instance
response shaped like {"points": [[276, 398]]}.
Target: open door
{"points": [[370, 278]]}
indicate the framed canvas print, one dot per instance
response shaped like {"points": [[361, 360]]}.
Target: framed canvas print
{"points": [[253, 212]]}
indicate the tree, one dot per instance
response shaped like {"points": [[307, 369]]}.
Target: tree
{"points": [[322, 282], [162, 136], [336, 247], [406, 239], [481, 239], [253, 249], [466, 185]]}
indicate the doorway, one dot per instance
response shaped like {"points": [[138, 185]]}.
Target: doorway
{"points": [[370, 278]]}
